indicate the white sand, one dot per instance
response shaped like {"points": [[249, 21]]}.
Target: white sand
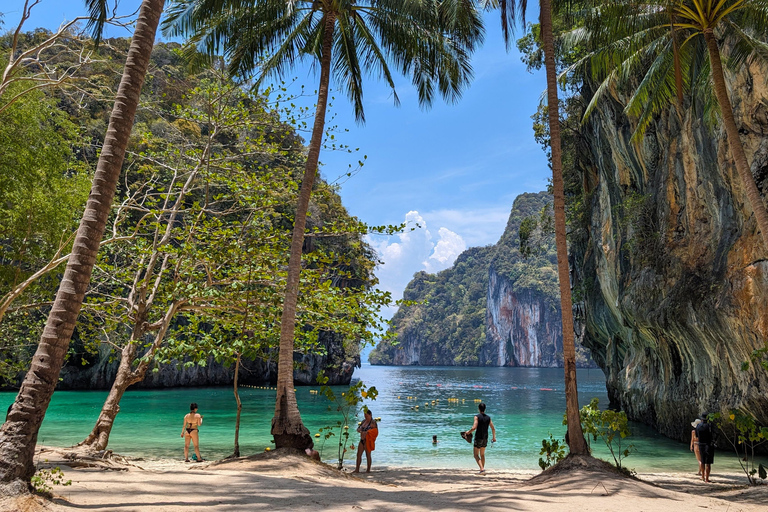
{"points": [[291, 482]]}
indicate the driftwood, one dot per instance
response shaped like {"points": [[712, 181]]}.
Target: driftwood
{"points": [[80, 458]]}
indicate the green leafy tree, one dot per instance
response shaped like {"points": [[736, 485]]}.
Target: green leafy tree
{"points": [[189, 204], [428, 40], [42, 185]]}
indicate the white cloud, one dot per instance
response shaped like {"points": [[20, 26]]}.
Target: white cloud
{"points": [[414, 249], [445, 251]]}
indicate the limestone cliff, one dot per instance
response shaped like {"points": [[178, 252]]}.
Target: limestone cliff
{"points": [[671, 268], [493, 307], [338, 363], [522, 328]]}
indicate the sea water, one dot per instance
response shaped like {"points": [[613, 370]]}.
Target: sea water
{"points": [[526, 405]]}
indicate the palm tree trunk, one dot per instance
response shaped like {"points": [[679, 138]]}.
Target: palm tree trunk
{"points": [[236, 452], [734, 141], [577, 443], [19, 434], [287, 428]]}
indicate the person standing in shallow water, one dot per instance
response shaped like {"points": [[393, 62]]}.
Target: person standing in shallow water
{"points": [[695, 443], [369, 430], [706, 446], [190, 432], [482, 422]]}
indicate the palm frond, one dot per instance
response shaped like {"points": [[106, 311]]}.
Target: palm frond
{"points": [[97, 13], [346, 65]]}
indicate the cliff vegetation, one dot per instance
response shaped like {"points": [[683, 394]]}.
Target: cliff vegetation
{"points": [[225, 227], [496, 306]]}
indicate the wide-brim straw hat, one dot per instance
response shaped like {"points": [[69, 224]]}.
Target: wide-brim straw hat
{"points": [[696, 423]]}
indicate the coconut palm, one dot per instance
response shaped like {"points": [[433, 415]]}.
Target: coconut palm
{"points": [[19, 434], [510, 12], [428, 40], [677, 46]]}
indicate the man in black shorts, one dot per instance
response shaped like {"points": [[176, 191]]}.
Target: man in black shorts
{"points": [[482, 422], [706, 447]]}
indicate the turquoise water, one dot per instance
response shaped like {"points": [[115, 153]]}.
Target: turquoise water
{"points": [[524, 403]]}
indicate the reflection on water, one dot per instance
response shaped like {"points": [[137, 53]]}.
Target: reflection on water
{"points": [[526, 404]]}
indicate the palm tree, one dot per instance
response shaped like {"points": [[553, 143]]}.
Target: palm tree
{"points": [[510, 10], [19, 434], [643, 40], [428, 40]]}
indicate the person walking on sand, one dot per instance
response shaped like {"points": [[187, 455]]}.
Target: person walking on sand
{"points": [[369, 430], [481, 424], [706, 446], [189, 431], [695, 443]]}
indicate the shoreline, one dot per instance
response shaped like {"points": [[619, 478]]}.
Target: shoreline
{"points": [[284, 481]]}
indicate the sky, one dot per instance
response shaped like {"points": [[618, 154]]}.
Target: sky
{"points": [[453, 170]]}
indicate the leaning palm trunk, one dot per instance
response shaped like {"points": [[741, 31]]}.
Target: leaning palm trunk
{"points": [[734, 142], [18, 436], [576, 441], [287, 428]]}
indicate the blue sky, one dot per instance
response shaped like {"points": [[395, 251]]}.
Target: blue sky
{"points": [[453, 169]]}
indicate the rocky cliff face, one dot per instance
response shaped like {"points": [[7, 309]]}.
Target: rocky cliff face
{"points": [[338, 363], [522, 329], [672, 270], [494, 307]]}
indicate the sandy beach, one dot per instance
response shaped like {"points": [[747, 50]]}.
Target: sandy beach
{"points": [[292, 482]]}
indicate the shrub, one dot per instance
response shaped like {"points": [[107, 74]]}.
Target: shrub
{"points": [[743, 434], [610, 426], [553, 449], [44, 479], [349, 404]]}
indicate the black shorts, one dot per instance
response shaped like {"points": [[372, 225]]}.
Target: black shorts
{"points": [[707, 452], [481, 442]]}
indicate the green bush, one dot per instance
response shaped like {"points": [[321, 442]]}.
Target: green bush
{"points": [[743, 434], [554, 451], [349, 404], [610, 426], [44, 479]]}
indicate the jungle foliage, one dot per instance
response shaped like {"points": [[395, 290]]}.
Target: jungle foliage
{"points": [[238, 209]]}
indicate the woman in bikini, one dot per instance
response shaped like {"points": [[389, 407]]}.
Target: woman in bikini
{"points": [[369, 430], [695, 443], [192, 422]]}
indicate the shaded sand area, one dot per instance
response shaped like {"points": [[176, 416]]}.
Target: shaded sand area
{"points": [[273, 482]]}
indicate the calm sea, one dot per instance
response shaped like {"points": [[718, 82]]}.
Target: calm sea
{"points": [[526, 404]]}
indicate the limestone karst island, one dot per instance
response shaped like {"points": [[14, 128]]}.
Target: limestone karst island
{"points": [[385, 255]]}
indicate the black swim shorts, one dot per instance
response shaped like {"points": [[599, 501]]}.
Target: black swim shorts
{"points": [[481, 442], [707, 452]]}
